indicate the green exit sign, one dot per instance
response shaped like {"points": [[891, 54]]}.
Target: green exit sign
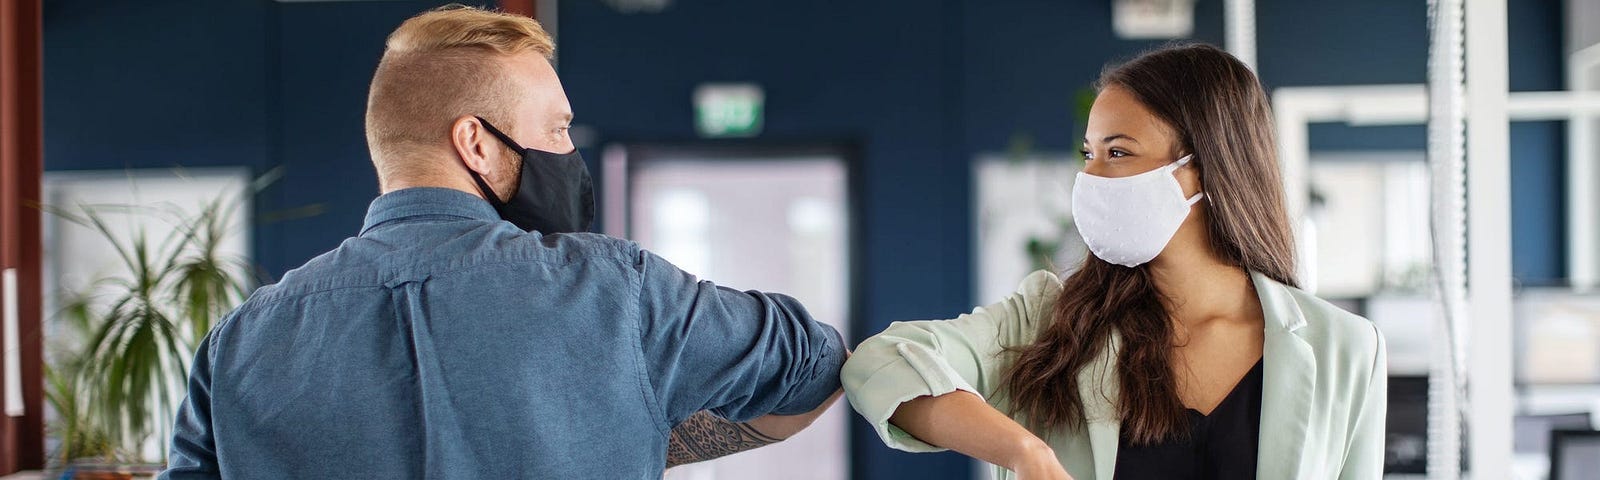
{"points": [[728, 109]]}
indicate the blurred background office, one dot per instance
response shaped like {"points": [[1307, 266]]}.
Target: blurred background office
{"points": [[879, 160]]}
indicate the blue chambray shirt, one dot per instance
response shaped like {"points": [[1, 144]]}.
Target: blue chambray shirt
{"points": [[444, 343]]}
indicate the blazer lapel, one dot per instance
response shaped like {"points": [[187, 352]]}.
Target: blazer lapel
{"points": [[1288, 374], [1099, 390]]}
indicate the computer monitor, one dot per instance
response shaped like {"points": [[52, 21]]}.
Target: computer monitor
{"points": [[1406, 432], [1531, 433], [1574, 455]]}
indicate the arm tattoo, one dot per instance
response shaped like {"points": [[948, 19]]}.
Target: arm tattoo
{"points": [[704, 436]]}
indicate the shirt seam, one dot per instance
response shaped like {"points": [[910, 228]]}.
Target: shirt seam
{"points": [[283, 293], [642, 373], [415, 218], [213, 345]]}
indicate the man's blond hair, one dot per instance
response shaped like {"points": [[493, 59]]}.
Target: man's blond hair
{"points": [[436, 67]]}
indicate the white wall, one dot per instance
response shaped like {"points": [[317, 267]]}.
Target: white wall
{"points": [[1583, 24]]}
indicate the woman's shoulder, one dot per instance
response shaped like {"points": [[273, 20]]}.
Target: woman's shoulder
{"points": [[1041, 286], [1037, 294], [1340, 335]]}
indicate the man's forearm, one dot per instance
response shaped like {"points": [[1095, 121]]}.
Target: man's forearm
{"points": [[704, 436]]}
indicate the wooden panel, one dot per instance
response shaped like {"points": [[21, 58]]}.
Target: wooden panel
{"points": [[21, 164], [521, 7]]}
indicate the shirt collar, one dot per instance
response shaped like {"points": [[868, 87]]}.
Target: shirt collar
{"points": [[415, 202]]}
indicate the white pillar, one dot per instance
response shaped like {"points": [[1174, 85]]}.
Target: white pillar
{"points": [[1583, 175], [1447, 160], [1240, 23], [1488, 241]]}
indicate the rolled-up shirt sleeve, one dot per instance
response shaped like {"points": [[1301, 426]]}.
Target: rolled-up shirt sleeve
{"points": [[739, 354], [933, 358]]}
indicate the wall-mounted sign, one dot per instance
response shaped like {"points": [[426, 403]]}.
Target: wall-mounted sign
{"points": [[728, 109], [1147, 19]]}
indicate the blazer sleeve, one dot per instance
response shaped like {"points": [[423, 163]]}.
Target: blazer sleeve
{"points": [[932, 358], [1364, 450]]}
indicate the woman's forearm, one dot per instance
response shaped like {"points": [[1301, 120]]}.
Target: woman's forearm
{"points": [[963, 422]]}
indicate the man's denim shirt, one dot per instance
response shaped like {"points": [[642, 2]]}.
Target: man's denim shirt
{"points": [[445, 343]]}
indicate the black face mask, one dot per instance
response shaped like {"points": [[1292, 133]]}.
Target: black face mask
{"points": [[555, 194]]}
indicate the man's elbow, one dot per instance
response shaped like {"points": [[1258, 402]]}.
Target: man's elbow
{"points": [[782, 427]]}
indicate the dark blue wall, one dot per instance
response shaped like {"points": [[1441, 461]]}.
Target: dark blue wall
{"points": [[922, 87], [323, 58], [1538, 149], [885, 75], [155, 84], [262, 84], [256, 83]]}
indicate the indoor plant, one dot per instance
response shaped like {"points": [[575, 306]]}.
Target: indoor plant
{"points": [[115, 379]]}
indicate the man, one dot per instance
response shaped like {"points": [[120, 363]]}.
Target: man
{"points": [[459, 335]]}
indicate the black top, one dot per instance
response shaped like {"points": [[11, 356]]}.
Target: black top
{"points": [[1221, 445]]}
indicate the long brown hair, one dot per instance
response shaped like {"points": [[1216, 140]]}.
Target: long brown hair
{"points": [[1218, 109]]}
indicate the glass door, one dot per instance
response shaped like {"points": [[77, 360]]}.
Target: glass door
{"points": [[770, 219]]}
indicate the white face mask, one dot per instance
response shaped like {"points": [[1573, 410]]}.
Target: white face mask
{"points": [[1129, 220]]}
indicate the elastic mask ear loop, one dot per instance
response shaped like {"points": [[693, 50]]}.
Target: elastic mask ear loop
{"points": [[1189, 202], [506, 139], [1182, 161], [483, 186]]}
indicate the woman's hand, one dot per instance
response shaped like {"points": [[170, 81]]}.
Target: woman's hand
{"points": [[1038, 462], [1044, 469]]}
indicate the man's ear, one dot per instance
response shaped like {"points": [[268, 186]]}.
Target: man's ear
{"points": [[469, 140]]}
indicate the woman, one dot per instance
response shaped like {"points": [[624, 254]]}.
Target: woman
{"points": [[1181, 347]]}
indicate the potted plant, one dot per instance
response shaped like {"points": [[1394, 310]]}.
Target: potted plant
{"points": [[116, 381]]}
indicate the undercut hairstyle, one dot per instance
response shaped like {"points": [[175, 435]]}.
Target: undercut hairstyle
{"points": [[436, 67]]}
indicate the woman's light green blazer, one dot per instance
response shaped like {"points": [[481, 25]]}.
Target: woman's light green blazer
{"points": [[1323, 399]]}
